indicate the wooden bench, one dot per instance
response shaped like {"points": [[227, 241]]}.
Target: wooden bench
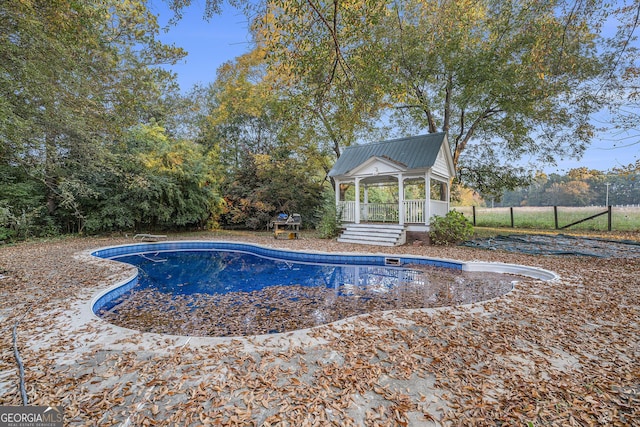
{"points": [[289, 227]]}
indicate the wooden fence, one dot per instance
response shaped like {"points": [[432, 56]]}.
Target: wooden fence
{"points": [[621, 218]]}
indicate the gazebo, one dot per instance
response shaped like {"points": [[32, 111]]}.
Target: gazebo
{"points": [[421, 162]]}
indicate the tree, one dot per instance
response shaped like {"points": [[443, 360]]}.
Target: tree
{"points": [[503, 78], [304, 44], [245, 114], [265, 186], [156, 182], [269, 163], [73, 77], [571, 193], [584, 173]]}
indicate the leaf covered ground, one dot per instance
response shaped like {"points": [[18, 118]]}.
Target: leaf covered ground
{"points": [[565, 352]]}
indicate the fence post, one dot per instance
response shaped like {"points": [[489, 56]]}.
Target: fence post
{"points": [[511, 211], [555, 215], [473, 208], [609, 218]]}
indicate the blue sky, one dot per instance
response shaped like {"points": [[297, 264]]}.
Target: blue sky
{"points": [[226, 36], [209, 43]]}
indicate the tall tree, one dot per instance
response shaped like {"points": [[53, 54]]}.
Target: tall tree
{"points": [[503, 78], [306, 44], [73, 76], [245, 114], [271, 163]]}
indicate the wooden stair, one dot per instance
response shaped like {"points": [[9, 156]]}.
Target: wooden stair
{"points": [[374, 234]]}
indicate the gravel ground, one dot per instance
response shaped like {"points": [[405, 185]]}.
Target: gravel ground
{"points": [[565, 352]]}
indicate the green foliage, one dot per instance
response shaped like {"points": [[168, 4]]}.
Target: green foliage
{"points": [[504, 79], [450, 229], [264, 186], [22, 206], [157, 182], [74, 76], [329, 223], [6, 232], [579, 187]]}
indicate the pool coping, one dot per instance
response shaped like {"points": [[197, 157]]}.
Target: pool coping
{"points": [[129, 281]]}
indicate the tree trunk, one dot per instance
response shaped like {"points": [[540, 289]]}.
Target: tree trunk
{"points": [[50, 179]]}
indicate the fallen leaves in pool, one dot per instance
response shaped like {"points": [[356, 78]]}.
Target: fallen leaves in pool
{"points": [[277, 309]]}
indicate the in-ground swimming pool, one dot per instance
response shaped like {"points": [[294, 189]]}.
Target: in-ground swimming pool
{"points": [[234, 289]]}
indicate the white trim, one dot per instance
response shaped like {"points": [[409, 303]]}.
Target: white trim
{"points": [[427, 190], [449, 156], [389, 167], [401, 214]]}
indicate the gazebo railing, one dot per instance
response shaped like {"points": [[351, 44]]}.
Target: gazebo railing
{"points": [[379, 212], [414, 211], [347, 211]]}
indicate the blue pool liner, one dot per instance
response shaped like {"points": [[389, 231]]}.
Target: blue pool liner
{"points": [[278, 254]]}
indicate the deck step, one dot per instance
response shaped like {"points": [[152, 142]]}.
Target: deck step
{"points": [[364, 242], [374, 234], [376, 226], [370, 238]]}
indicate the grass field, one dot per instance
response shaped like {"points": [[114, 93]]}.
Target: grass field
{"points": [[542, 218]]}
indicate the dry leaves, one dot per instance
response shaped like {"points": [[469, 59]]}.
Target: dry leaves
{"points": [[559, 353], [278, 309]]}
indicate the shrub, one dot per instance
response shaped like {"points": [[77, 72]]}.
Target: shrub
{"points": [[329, 223], [450, 229]]}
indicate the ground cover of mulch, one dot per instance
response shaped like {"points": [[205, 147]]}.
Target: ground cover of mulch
{"points": [[564, 352]]}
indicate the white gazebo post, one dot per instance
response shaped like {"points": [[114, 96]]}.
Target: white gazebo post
{"points": [[427, 197], [448, 199], [336, 183], [366, 202], [400, 199], [357, 200]]}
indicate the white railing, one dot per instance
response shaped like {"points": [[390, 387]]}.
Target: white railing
{"points": [[439, 207], [414, 211], [379, 212], [347, 210]]}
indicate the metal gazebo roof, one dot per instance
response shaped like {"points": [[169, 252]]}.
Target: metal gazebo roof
{"points": [[416, 152]]}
